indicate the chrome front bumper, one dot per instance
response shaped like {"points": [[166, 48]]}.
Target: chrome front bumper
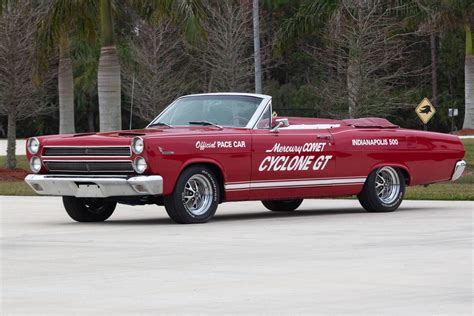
{"points": [[95, 186], [458, 170]]}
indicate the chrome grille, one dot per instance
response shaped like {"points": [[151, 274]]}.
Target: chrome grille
{"points": [[122, 151], [89, 166]]}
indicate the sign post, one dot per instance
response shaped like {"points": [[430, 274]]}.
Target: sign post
{"points": [[452, 112], [425, 111]]}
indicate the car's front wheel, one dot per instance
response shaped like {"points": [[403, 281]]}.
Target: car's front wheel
{"points": [[282, 205], [88, 209], [195, 197], [383, 190]]}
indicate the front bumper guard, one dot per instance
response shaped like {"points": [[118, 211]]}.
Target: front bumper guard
{"points": [[95, 186], [458, 170]]}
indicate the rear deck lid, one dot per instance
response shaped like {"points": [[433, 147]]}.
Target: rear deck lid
{"points": [[370, 122]]}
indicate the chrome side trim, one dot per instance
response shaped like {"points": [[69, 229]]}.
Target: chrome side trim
{"points": [[86, 160], [97, 187], [291, 183], [458, 170], [85, 146]]}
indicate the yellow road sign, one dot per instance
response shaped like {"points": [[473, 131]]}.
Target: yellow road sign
{"points": [[425, 110]]}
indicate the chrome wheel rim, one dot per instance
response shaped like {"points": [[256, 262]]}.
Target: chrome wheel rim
{"points": [[387, 185], [197, 195]]}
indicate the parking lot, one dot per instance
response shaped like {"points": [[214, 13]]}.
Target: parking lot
{"points": [[328, 257]]}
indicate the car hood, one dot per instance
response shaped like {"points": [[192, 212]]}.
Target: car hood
{"points": [[118, 138]]}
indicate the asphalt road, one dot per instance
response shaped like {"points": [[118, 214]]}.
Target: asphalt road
{"points": [[328, 257]]}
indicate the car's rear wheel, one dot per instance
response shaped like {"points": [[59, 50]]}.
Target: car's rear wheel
{"points": [[88, 209], [383, 190], [195, 197], [282, 205]]}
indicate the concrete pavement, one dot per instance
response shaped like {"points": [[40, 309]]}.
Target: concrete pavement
{"points": [[328, 257]]}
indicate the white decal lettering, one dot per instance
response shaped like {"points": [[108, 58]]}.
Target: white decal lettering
{"points": [[375, 142], [202, 145], [306, 148], [263, 166], [295, 163]]}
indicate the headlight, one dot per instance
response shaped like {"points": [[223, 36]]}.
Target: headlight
{"points": [[137, 145], [35, 164], [33, 145], [139, 164]]}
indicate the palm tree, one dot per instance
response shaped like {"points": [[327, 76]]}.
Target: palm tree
{"points": [[108, 75], [469, 80], [459, 14], [86, 59], [186, 13], [54, 33], [65, 87]]}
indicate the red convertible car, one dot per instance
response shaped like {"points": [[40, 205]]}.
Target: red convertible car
{"points": [[206, 149]]}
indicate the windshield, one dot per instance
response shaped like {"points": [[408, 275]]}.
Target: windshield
{"points": [[217, 110]]}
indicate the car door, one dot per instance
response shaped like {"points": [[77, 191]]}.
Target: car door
{"points": [[293, 161]]}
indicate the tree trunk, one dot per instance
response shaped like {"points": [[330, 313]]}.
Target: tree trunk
{"points": [[65, 89], [108, 76], [469, 81], [11, 142], [469, 92], [434, 71], [110, 116], [353, 86], [256, 48], [90, 117]]}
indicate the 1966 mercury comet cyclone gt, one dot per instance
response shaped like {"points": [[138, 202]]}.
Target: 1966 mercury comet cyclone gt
{"points": [[206, 149]]}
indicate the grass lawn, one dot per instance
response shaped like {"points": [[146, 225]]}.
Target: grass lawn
{"points": [[21, 162], [463, 189], [15, 188]]}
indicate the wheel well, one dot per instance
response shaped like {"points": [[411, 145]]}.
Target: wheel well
{"points": [[405, 174], [217, 172]]}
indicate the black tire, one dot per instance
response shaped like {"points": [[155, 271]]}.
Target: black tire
{"points": [[374, 199], [88, 209], [195, 196], [282, 205]]}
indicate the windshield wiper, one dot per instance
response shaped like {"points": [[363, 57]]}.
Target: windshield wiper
{"points": [[160, 124], [205, 123]]}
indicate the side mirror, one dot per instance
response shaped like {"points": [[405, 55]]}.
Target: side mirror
{"points": [[283, 122]]}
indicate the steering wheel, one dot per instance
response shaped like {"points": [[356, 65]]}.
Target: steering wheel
{"points": [[241, 119]]}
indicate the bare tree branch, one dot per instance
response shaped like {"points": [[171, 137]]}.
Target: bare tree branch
{"points": [[159, 66], [21, 90]]}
